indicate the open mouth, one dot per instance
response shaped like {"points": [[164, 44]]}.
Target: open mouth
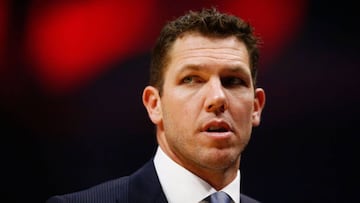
{"points": [[216, 129]]}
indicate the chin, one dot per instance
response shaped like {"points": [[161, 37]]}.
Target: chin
{"points": [[223, 160]]}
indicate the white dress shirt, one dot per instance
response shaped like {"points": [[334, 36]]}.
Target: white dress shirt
{"points": [[180, 185]]}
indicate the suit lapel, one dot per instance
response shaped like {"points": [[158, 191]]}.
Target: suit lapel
{"points": [[246, 199], [144, 186]]}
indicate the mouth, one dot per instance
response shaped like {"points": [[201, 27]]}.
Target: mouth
{"points": [[217, 127]]}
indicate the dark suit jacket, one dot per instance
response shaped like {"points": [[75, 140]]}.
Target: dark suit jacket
{"points": [[143, 186]]}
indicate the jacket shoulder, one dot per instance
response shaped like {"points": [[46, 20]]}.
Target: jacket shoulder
{"points": [[110, 191]]}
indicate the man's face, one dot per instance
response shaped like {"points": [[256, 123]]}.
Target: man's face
{"points": [[208, 106]]}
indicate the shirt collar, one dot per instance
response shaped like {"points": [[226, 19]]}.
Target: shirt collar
{"points": [[180, 185]]}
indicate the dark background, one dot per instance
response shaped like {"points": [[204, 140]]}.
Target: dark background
{"points": [[72, 74]]}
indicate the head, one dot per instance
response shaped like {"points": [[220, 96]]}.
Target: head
{"points": [[202, 95], [208, 22]]}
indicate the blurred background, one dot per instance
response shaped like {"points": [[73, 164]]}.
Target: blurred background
{"points": [[72, 74]]}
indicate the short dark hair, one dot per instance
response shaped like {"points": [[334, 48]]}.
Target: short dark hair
{"points": [[208, 22]]}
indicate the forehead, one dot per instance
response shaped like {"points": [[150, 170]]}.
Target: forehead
{"points": [[193, 39], [194, 48]]}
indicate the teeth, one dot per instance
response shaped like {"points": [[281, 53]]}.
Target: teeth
{"points": [[216, 129], [212, 128]]}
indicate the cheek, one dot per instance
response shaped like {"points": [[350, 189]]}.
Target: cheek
{"points": [[242, 113], [175, 112], [180, 116], [181, 102]]}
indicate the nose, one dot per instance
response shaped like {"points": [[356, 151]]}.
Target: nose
{"points": [[215, 97]]}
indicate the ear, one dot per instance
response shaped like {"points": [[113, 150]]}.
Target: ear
{"points": [[259, 104], [151, 101]]}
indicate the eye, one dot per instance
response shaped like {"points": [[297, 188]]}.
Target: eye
{"points": [[191, 79], [232, 81], [188, 79]]}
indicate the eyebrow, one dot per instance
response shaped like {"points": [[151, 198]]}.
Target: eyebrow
{"points": [[232, 69], [191, 67]]}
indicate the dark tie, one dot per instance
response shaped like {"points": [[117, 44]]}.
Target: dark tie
{"points": [[219, 197]]}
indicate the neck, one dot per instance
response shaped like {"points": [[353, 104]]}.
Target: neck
{"points": [[217, 178]]}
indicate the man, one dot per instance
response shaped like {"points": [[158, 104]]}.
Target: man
{"points": [[204, 102]]}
